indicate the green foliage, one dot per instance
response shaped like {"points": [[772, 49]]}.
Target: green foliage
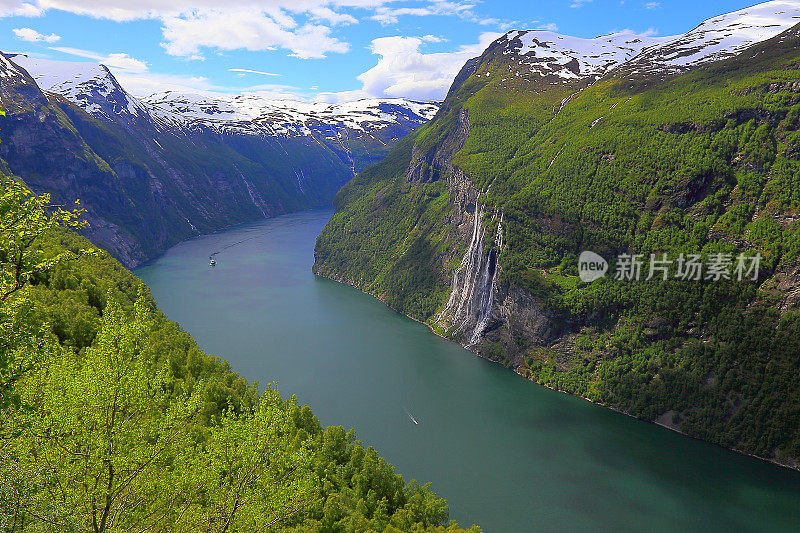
{"points": [[124, 424], [24, 219], [703, 162], [389, 241]]}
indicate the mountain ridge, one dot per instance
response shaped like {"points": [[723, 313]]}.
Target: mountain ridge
{"points": [[474, 223], [150, 177]]}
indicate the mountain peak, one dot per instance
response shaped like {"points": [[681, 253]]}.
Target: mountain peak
{"points": [[257, 114], [719, 37], [90, 85], [548, 53]]}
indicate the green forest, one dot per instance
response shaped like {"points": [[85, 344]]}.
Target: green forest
{"points": [[705, 162], [112, 419]]}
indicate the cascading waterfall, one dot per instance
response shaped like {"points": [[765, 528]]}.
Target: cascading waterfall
{"points": [[466, 271], [488, 285], [470, 304]]}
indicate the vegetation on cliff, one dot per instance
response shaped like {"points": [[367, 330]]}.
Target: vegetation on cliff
{"points": [[706, 162]]}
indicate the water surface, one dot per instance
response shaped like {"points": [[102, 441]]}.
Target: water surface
{"points": [[508, 454]]}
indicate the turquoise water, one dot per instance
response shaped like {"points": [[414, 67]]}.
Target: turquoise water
{"points": [[508, 454]]}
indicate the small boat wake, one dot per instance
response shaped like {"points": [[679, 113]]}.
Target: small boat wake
{"points": [[212, 261], [411, 416]]}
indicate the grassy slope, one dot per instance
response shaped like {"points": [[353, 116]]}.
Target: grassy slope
{"points": [[707, 161]]}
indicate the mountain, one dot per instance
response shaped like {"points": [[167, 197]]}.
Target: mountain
{"points": [[156, 170], [629, 147]]}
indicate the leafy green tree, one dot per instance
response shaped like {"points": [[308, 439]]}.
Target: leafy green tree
{"points": [[108, 430], [253, 474], [24, 219]]}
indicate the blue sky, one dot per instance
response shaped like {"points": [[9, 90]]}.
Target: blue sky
{"points": [[335, 50]]}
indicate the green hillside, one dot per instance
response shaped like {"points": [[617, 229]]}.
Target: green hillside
{"points": [[706, 162], [112, 419]]}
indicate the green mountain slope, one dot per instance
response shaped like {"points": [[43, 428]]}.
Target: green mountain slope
{"points": [[703, 162], [118, 421]]}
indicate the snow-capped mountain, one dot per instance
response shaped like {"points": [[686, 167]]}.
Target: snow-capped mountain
{"points": [[94, 89], [8, 70], [547, 54], [251, 113], [719, 37], [155, 170], [89, 85]]}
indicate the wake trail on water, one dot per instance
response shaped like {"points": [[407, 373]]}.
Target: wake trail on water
{"points": [[237, 243]]}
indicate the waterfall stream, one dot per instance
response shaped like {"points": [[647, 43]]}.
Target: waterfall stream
{"points": [[469, 307]]}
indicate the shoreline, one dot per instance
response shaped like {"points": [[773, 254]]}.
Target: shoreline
{"points": [[218, 230], [795, 468]]}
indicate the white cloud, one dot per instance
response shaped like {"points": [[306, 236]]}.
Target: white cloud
{"points": [[185, 35], [579, 3], [32, 36], [329, 15], [387, 14], [403, 70], [652, 5], [302, 27], [249, 71], [14, 8], [119, 61], [126, 10], [550, 26], [649, 32]]}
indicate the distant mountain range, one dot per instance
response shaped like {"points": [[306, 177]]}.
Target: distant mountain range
{"points": [[154, 170], [547, 146]]}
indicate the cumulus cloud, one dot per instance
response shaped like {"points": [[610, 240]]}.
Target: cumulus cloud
{"points": [[254, 30], [14, 8], [304, 28], [33, 36], [329, 15], [404, 70], [119, 61]]}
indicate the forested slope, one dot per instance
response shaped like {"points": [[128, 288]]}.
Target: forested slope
{"points": [[475, 222], [112, 419]]}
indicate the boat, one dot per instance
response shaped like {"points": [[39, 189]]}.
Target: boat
{"points": [[212, 262]]}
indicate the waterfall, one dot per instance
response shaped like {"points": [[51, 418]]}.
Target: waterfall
{"points": [[488, 286], [469, 306], [465, 272]]}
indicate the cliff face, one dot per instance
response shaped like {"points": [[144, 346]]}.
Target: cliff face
{"points": [[474, 224], [150, 177]]}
